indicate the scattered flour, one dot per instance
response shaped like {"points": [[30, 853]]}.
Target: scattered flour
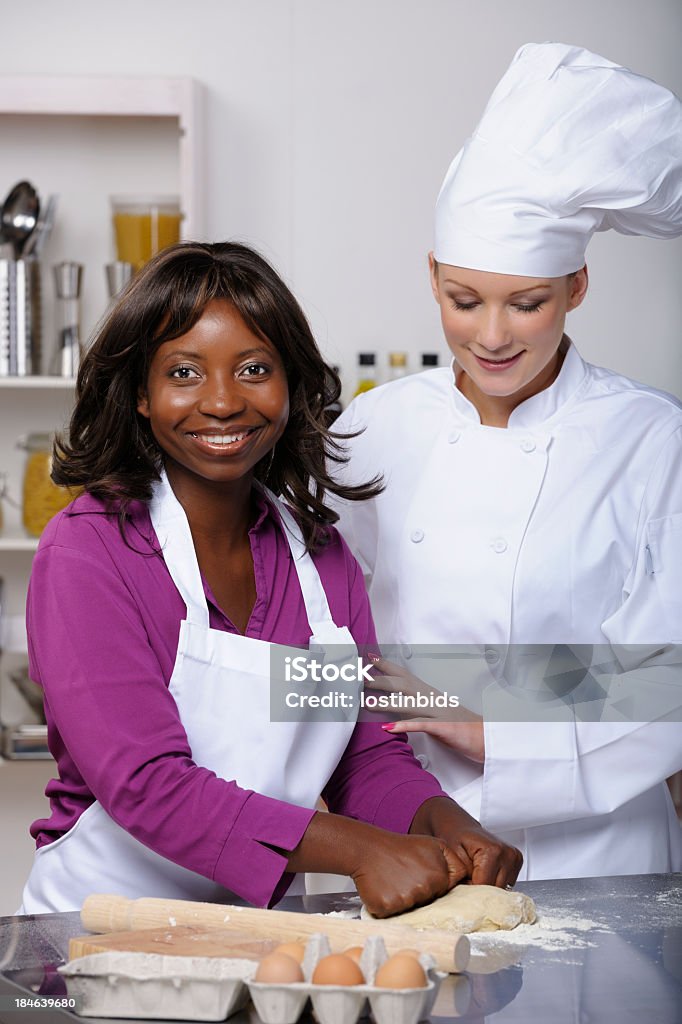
{"points": [[546, 933], [669, 898]]}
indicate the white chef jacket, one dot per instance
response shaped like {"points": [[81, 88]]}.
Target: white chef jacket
{"points": [[564, 528]]}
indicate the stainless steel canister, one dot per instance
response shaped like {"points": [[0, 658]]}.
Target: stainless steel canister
{"points": [[118, 275], [20, 318], [68, 278]]}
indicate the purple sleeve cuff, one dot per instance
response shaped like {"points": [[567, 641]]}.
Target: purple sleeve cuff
{"points": [[247, 864], [398, 807]]}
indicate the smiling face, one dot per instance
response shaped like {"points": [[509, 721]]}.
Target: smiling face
{"points": [[504, 332], [216, 398]]}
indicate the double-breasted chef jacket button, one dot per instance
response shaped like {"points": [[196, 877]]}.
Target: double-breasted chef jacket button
{"points": [[406, 651], [417, 536], [454, 436], [499, 545], [492, 655], [423, 760], [528, 446]]}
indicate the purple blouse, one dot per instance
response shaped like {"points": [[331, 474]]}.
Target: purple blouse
{"points": [[103, 620]]}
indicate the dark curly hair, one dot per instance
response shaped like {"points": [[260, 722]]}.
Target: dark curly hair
{"points": [[111, 451]]}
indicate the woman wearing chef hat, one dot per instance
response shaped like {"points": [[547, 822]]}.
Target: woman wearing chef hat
{"points": [[163, 596], [531, 498]]}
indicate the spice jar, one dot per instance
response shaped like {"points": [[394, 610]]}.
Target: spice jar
{"points": [[42, 498], [367, 374]]}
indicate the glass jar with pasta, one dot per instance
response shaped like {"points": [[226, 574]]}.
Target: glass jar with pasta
{"points": [[42, 498]]}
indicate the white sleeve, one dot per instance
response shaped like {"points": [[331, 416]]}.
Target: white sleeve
{"points": [[543, 772], [651, 610]]}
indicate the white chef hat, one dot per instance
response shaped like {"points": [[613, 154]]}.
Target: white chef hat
{"points": [[569, 144]]}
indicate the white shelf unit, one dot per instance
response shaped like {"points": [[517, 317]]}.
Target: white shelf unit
{"points": [[85, 138], [179, 99], [38, 383], [17, 542]]}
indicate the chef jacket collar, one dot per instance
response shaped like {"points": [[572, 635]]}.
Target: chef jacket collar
{"points": [[541, 408]]}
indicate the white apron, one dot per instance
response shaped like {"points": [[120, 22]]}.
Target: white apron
{"points": [[221, 684]]}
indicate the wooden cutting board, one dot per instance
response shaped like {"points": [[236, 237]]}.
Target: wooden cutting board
{"points": [[181, 941]]}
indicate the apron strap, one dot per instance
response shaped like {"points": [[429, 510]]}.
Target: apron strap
{"points": [[175, 539], [314, 597]]}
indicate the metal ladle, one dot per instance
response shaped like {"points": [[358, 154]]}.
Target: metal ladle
{"points": [[19, 215]]}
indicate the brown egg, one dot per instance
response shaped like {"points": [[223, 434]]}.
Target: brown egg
{"points": [[280, 969], [400, 971], [293, 949], [337, 969], [354, 952], [408, 952]]}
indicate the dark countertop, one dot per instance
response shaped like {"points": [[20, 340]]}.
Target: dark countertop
{"points": [[606, 951]]}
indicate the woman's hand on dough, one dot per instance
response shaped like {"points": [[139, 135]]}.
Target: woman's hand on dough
{"points": [[489, 860], [392, 872], [399, 872], [466, 738]]}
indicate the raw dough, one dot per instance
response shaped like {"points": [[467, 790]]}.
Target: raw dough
{"points": [[471, 908]]}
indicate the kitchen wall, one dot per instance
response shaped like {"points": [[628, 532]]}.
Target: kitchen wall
{"points": [[330, 126]]}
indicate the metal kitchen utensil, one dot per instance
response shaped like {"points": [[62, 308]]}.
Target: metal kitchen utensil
{"points": [[4, 316], [20, 318], [19, 215], [68, 277], [118, 274], [38, 238]]}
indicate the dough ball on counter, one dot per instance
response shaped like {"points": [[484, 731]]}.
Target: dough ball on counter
{"points": [[471, 908]]}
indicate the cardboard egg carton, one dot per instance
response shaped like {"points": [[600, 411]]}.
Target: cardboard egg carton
{"points": [[344, 1004], [153, 986], [150, 985]]}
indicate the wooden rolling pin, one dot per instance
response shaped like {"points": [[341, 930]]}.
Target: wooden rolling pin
{"points": [[102, 913]]}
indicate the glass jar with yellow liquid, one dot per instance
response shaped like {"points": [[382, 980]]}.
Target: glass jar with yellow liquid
{"points": [[367, 373], [143, 226], [42, 498]]}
